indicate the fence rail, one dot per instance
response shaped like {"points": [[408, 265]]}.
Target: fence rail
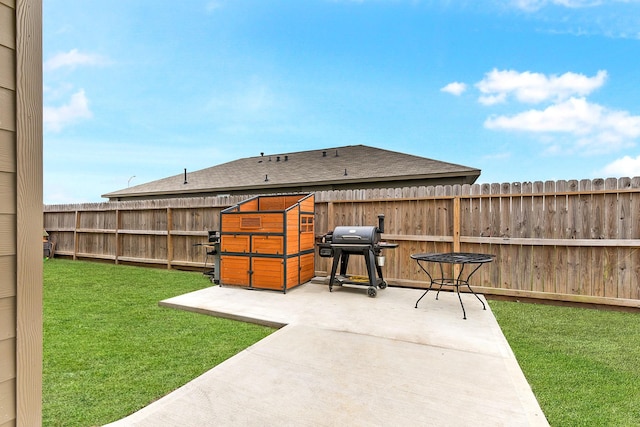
{"points": [[561, 240]]}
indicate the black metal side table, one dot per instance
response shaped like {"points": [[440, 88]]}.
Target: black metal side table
{"points": [[461, 258]]}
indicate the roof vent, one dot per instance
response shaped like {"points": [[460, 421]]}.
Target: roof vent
{"points": [[324, 154], [278, 159], [261, 154], [185, 176], [266, 178], [336, 153], [345, 171], [286, 158]]}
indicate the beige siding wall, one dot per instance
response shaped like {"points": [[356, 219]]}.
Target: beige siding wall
{"points": [[7, 216], [20, 198]]}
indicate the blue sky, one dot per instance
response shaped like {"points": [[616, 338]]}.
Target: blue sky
{"points": [[525, 90]]}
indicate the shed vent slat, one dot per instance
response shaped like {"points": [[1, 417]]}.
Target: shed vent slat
{"points": [[251, 222]]}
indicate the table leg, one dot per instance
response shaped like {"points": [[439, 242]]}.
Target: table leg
{"points": [[466, 282], [430, 283], [441, 279], [463, 282]]}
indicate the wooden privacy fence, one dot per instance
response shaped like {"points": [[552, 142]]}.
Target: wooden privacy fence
{"points": [[145, 232], [561, 240]]}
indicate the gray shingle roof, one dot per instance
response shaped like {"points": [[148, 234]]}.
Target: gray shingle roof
{"points": [[339, 165]]}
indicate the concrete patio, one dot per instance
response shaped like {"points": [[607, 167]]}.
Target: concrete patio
{"points": [[342, 358]]}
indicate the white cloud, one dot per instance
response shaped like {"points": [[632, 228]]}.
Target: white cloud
{"points": [[56, 118], [72, 59], [529, 5], [574, 115], [504, 155], [253, 107], [455, 88], [212, 6], [533, 5], [534, 88], [626, 166], [596, 129], [492, 99]]}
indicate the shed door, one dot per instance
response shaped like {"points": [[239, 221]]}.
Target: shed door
{"points": [[268, 273], [234, 270]]}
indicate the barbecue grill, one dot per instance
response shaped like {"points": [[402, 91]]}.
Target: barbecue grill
{"points": [[344, 241]]}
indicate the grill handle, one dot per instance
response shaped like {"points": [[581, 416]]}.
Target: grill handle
{"points": [[381, 223], [352, 237]]}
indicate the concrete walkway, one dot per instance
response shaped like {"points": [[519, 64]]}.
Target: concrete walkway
{"points": [[344, 359]]}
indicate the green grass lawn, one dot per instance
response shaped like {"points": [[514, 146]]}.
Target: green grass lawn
{"points": [[582, 364], [109, 349]]}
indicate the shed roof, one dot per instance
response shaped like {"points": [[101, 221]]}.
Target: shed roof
{"points": [[330, 166]]}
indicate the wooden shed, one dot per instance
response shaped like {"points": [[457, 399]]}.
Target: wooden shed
{"points": [[267, 242]]}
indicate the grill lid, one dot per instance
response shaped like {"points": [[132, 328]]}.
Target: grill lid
{"points": [[355, 235]]}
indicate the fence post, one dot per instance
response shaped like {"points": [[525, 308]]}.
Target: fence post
{"points": [[117, 254], [169, 238], [76, 236]]}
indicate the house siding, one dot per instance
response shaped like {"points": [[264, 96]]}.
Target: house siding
{"points": [[7, 217], [292, 189], [20, 212]]}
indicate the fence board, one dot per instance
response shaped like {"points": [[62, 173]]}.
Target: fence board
{"points": [[634, 291], [610, 230], [576, 206], [550, 260], [597, 221], [525, 257], [538, 254], [495, 223], [537, 209], [585, 210], [625, 265], [560, 227], [489, 227], [510, 271]]}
